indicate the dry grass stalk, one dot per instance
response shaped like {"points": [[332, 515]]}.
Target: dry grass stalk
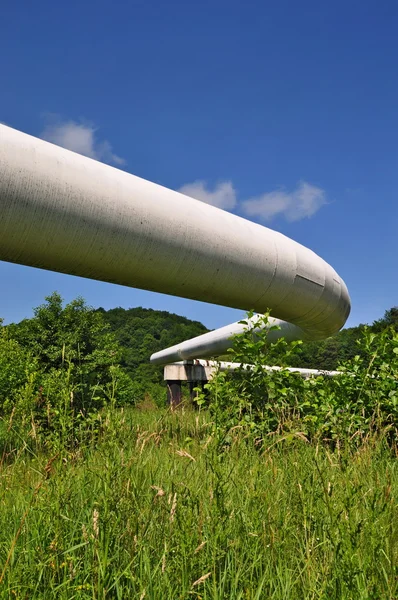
{"points": [[173, 508], [96, 522], [199, 548], [163, 562], [146, 440], [159, 491], [10, 420], [201, 579], [185, 454], [84, 532]]}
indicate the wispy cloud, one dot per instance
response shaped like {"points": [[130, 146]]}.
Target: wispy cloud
{"points": [[300, 203], [223, 194], [81, 138]]}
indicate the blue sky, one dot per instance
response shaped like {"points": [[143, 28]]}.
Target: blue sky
{"points": [[284, 112]]}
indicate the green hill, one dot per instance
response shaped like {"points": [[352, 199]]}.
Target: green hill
{"points": [[327, 354], [142, 331]]}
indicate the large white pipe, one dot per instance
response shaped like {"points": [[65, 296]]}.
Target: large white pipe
{"points": [[68, 213]]}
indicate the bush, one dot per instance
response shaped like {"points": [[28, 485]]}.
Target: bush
{"points": [[259, 402], [58, 371], [16, 367]]}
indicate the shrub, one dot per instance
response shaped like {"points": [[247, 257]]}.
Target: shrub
{"points": [[259, 402], [16, 368]]}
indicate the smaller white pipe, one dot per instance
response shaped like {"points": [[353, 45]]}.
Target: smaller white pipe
{"points": [[217, 342], [229, 366]]}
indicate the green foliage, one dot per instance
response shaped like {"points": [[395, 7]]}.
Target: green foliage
{"points": [[262, 402], [74, 333], [60, 368], [345, 345], [92, 342], [390, 319], [16, 367]]}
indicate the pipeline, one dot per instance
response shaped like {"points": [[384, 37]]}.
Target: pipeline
{"points": [[68, 213]]}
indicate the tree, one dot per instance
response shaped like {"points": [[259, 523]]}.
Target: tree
{"points": [[390, 319], [74, 337]]}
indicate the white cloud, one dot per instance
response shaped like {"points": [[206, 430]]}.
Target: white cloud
{"points": [[223, 195], [81, 138], [298, 204]]}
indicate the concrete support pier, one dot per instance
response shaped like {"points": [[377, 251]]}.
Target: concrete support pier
{"points": [[195, 373], [174, 394]]}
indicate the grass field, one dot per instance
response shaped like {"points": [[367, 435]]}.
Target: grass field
{"points": [[154, 509]]}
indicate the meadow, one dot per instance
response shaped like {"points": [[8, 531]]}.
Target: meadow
{"points": [[152, 508]]}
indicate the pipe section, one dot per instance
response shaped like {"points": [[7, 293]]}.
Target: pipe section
{"points": [[68, 213], [217, 343], [215, 366]]}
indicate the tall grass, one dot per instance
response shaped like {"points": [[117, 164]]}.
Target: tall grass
{"points": [[150, 509]]}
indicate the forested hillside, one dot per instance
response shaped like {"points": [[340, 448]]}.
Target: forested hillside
{"points": [[143, 331], [329, 353]]}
